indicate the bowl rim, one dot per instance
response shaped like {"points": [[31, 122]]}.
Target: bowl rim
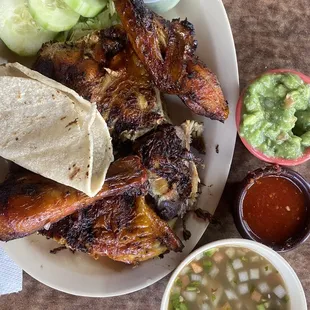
{"points": [[242, 243], [260, 155], [245, 184]]}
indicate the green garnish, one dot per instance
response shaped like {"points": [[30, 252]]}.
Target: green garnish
{"points": [[210, 253], [182, 307], [260, 307], [207, 265], [213, 297], [175, 300], [193, 286], [178, 282], [266, 268], [244, 259], [286, 299]]}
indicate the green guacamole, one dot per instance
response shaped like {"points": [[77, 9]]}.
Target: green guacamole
{"points": [[276, 115]]}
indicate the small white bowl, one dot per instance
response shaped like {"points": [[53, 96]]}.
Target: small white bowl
{"points": [[293, 285]]}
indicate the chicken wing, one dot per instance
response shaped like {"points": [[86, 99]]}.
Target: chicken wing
{"points": [[167, 51], [29, 201], [123, 228], [103, 68]]}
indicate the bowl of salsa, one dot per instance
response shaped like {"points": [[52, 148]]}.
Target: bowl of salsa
{"points": [[273, 207], [273, 117], [234, 274]]}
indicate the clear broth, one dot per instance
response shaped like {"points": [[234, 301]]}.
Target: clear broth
{"points": [[229, 278]]}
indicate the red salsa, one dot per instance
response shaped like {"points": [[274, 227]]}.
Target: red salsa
{"points": [[275, 209]]}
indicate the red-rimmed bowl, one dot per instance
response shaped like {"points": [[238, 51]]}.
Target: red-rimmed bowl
{"points": [[257, 153]]}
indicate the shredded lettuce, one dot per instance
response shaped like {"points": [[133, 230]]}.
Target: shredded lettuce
{"points": [[107, 18]]}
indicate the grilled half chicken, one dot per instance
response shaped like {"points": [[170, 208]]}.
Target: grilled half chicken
{"points": [[167, 51], [103, 68], [28, 201], [123, 228], [172, 172]]}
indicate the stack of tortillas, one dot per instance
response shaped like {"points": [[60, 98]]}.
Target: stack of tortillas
{"points": [[49, 129]]}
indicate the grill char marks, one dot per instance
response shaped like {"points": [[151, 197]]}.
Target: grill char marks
{"points": [[123, 228], [104, 69], [30, 201], [172, 173], [167, 51]]}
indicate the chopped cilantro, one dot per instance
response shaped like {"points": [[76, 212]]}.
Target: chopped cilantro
{"points": [[286, 299], [266, 268], [207, 265], [210, 253], [182, 307], [178, 282], [175, 300], [193, 286], [213, 297]]}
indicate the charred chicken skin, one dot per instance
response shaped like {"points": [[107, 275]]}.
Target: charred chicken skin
{"points": [[123, 228], [29, 201], [104, 69], [171, 168], [167, 51]]}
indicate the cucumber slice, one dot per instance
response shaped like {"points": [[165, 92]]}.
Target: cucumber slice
{"points": [[19, 31], [53, 15], [87, 8]]}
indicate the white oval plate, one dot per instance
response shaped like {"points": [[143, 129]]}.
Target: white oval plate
{"points": [[79, 274]]}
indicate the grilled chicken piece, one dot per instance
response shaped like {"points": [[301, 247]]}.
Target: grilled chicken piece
{"points": [[103, 68], [28, 201], [123, 228], [167, 51], [172, 172]]}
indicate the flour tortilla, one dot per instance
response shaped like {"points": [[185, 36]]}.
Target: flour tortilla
{"points": [[49, 129]]}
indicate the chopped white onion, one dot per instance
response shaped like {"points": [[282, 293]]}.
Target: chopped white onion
{"points": [[199, 257], [263, 288], [243, 276], [237, 264], [279, 291], [185, 270], [205, 307], [196, 277], [243, 288], [230, 252], [254, 259], [204, 281], [230, 273], [231, 295], [254, 274], [214, 272], [189, 296]]}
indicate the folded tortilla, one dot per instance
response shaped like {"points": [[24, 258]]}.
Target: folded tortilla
{"points": [[49, 129]]}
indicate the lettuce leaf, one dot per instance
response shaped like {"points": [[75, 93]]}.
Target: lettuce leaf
{"points": [[107, 18]]}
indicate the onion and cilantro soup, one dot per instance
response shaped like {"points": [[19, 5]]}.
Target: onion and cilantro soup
{"points": [[229, 278]]}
